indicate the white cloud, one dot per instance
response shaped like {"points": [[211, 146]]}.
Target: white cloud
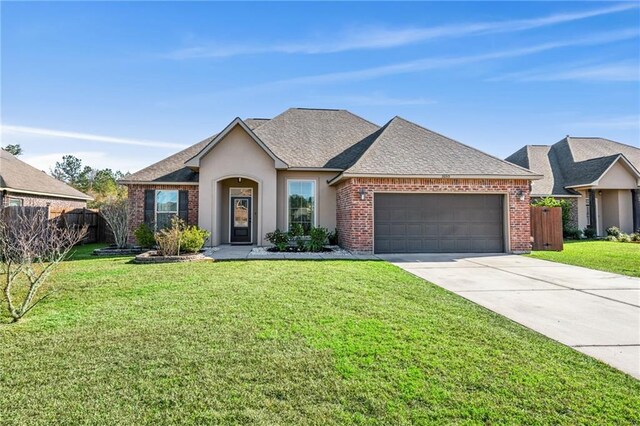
{"points": [[600, 72], [5, 128], [381, 38], [439, 63]]}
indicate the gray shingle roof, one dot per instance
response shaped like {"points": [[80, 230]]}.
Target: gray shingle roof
{"points": [[338, 139], [315, 137], [405, 148], [571, 161], [18, 176]]}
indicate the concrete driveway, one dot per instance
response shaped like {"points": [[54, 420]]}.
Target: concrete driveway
{"points": [[597, 313]]}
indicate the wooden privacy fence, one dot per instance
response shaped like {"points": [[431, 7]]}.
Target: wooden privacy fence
{"points": [[97, 229], [546, 228]]}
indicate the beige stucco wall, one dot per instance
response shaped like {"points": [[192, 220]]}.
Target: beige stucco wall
{"points": [[582, 210], [237, 155], [618, 177], [325, 197], [625, 210], [616, 210]]}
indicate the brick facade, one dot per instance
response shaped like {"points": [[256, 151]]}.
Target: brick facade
{"points": [[136, 203], [29, 200], [355, 216]]}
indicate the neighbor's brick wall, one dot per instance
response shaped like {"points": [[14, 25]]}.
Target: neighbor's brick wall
{"points": [[136, 203], [355, 217], [44, 201]]}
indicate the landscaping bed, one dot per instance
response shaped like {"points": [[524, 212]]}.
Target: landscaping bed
{"points": [[115, 251], [152, 256]]}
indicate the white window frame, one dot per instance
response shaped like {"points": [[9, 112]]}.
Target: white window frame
{"points": [[13, 199], [250, 213], [315, 201], [155, 205]]}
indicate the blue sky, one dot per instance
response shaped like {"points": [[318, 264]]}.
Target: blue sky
{"points": [[122, 85]]}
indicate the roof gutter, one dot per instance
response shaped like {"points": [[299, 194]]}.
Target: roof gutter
{"points": [[343, 176], [46, 194], [145, 182]]}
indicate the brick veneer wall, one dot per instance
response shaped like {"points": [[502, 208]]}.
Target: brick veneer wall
{"points": [[136, 203], [355, 216], [29, 200]]}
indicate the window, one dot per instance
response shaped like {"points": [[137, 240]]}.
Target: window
{"points": [[166, 207], [588, 206], [15, 202], [302, 203], [240, 192]]}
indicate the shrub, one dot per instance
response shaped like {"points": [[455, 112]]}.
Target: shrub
{"points": [[168, 239], [589, 232], [192, 239], [572, 233], [279, 239], [624, 238], [333, 237], [611, 238], [614, 231], [297, 230], [635, 237], [144, 236], [318, 236]]}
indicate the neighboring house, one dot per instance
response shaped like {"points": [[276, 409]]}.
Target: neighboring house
{"points": [[24, 185], [598, 176], [395, 188]]}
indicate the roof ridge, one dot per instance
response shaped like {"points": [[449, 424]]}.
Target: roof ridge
{"points": [[380, 132], [465, 145]]}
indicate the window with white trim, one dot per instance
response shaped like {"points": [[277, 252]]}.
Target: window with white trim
{"points": [[301, 204], [166, 207], [18, 202], [587, 202]]}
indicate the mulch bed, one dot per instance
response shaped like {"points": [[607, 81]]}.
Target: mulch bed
{"points": [[152, 256]]}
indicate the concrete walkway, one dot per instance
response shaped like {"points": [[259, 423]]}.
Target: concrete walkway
{"points": [[597, 313]]}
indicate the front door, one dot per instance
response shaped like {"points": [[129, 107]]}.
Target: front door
{"points": [[241, 220]]}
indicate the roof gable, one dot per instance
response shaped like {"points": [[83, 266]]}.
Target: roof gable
{"points": [[18, 176], [195, 160], [403, 148]]}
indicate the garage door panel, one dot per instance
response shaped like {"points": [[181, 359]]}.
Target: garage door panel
{"points": [[438, 223]]}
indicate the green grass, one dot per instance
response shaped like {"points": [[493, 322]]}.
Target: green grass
{"points": [[287, 342], [610, 256]]}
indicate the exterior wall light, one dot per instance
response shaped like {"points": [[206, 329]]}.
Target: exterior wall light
{"points": [[362, 193], [520, 194]]}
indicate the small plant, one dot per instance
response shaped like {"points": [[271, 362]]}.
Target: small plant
{"points": [[589, 232], [635, 237], [144, 236], [614, 231], [333, 237], [297, 230], [318, 237], [279, 239], [624, 238], [168, 239], [193, 238], [116, 214], [572, 233]]}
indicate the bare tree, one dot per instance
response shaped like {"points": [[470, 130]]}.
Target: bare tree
{"points": [[116, 213], [31, 247]]}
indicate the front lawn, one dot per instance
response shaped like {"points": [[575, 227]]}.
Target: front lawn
{"points": [[610, 256], [287, 342]]}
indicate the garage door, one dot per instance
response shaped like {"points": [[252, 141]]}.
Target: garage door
{"points": [[438, 223]]}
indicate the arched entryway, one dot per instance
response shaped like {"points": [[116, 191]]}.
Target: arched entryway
{"points": [[238, 210]]}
